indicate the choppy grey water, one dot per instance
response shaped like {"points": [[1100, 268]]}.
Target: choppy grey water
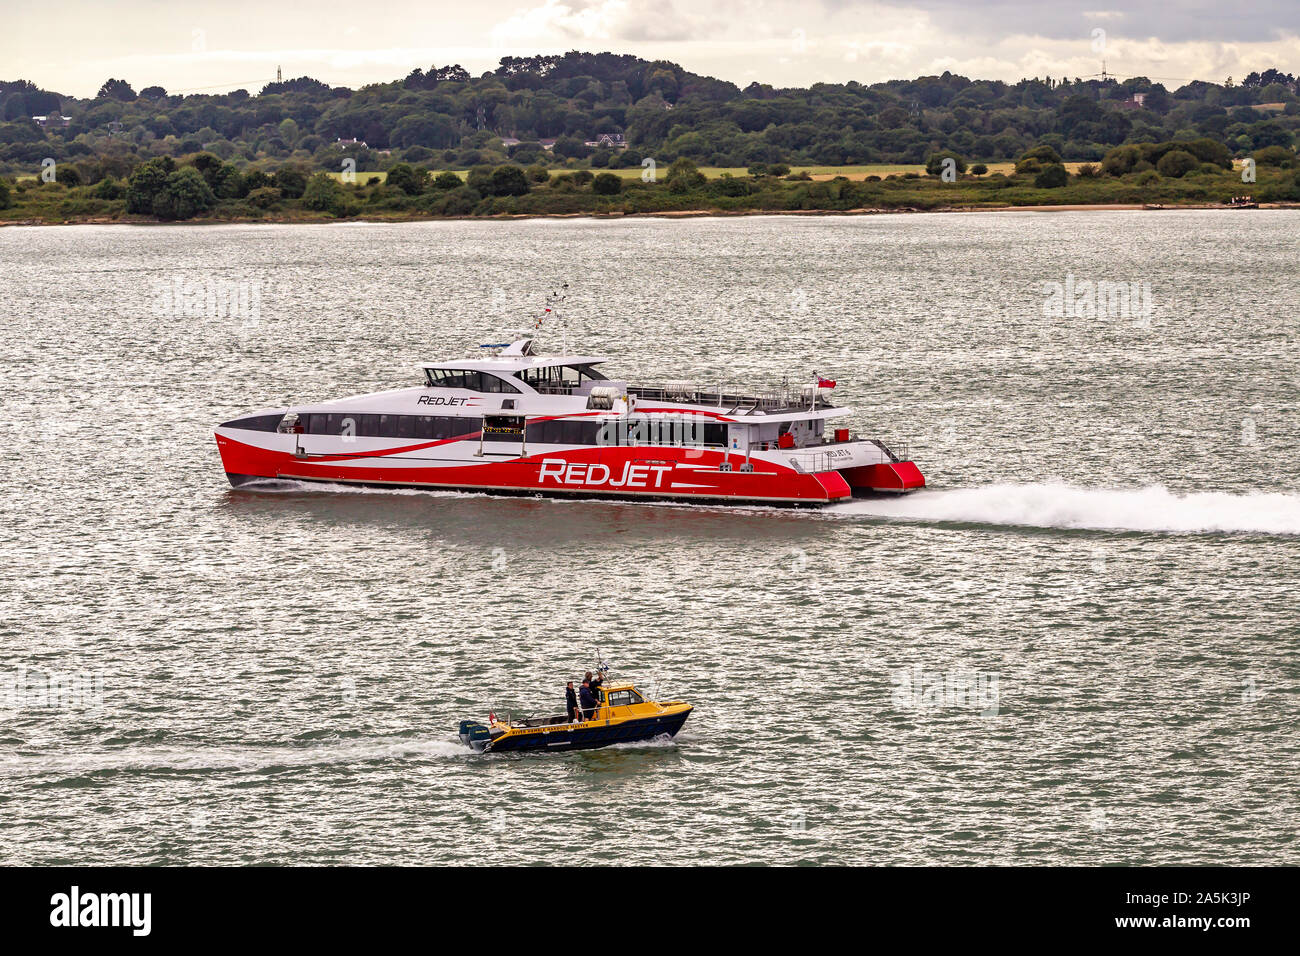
{"points": [[1078, 645]]}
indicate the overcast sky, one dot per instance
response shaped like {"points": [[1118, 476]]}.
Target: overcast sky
{"points": [[72, 46]]}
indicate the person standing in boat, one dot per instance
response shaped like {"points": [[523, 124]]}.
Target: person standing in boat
{"points": [[588, 700], [594, 683], [570, 702]]}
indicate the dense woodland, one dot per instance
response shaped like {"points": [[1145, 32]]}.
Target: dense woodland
{"points": [[445, 118], [149, 154]]}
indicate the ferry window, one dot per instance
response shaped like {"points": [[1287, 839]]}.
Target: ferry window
{"points": [[451, 378], [559, 376], [256, 423], [543, 433], [462, 427], [422, 428], [466, 378], [493, 383], [622, 698], [564, 433]]}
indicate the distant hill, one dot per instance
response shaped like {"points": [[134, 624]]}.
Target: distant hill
{"points": [[546, 109]]}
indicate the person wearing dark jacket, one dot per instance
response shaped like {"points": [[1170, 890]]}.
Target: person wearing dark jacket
{"points": [[588, 701], [570, 702]]}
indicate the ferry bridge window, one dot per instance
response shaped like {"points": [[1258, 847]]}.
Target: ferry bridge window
{"points": [[468, 379], [559, 377], [256, 423], [622, 698]]}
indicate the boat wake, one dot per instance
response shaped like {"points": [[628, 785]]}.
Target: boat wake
{"points": [[1058, 505], [199, 759]]}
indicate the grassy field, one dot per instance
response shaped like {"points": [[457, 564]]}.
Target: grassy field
{"points": [[818, 173], [363, 178]]}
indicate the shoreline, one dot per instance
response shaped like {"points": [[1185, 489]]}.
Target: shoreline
{"points": [[664, 214]]}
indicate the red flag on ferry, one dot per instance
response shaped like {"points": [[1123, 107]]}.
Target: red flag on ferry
{"points": [[825, 382]]}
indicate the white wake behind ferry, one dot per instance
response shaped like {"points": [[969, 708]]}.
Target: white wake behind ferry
{"points": [[512, 421]]}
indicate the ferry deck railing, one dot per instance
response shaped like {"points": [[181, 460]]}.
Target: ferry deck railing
{"points": [[729, 396]]}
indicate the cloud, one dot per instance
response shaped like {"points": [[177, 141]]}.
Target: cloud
{"points": [[573, 21], [781, 42]]}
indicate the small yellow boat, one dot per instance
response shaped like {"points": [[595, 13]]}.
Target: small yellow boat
{"points": [[622, 715]]}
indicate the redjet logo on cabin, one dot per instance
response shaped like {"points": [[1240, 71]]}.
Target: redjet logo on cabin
{"points": [[578, 473]]}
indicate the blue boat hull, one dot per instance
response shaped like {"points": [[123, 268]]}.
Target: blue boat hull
{"points": [[577, 737]]}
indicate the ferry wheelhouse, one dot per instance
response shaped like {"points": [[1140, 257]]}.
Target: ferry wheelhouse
{"points": [[512, 421]]}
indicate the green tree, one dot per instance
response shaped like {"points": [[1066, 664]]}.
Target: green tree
{"points": [[1044, 154], [934, 164], [145, 184], [684, 175], [228, 182], [1176, 164], [185, 195], [207, 164], [979, 169], [447, 181], [264, 197], [290, 182], [4, 194], [322, 193], [1274, 156], [1053, 176], [108, 188], [412, 180], [607, 184], [116, 90], [509, 181], [478, 176]]}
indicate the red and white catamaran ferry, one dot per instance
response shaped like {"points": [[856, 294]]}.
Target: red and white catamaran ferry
{"points": [[513, 421]]}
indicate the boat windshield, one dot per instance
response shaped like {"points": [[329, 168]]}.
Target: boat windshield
{"points": [[466, 378], [559, 378], [623, 698]]}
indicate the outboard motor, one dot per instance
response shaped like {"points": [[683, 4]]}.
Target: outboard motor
{"points": [[474, 735]]}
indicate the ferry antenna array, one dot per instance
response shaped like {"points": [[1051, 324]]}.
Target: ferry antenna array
{"points": [[554, 302]]}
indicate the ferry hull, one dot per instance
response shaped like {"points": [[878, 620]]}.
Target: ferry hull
{"points": [[896, 477], [655, 473]]}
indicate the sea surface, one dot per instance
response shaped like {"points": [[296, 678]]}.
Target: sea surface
{"points": [[1080, 644]]}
